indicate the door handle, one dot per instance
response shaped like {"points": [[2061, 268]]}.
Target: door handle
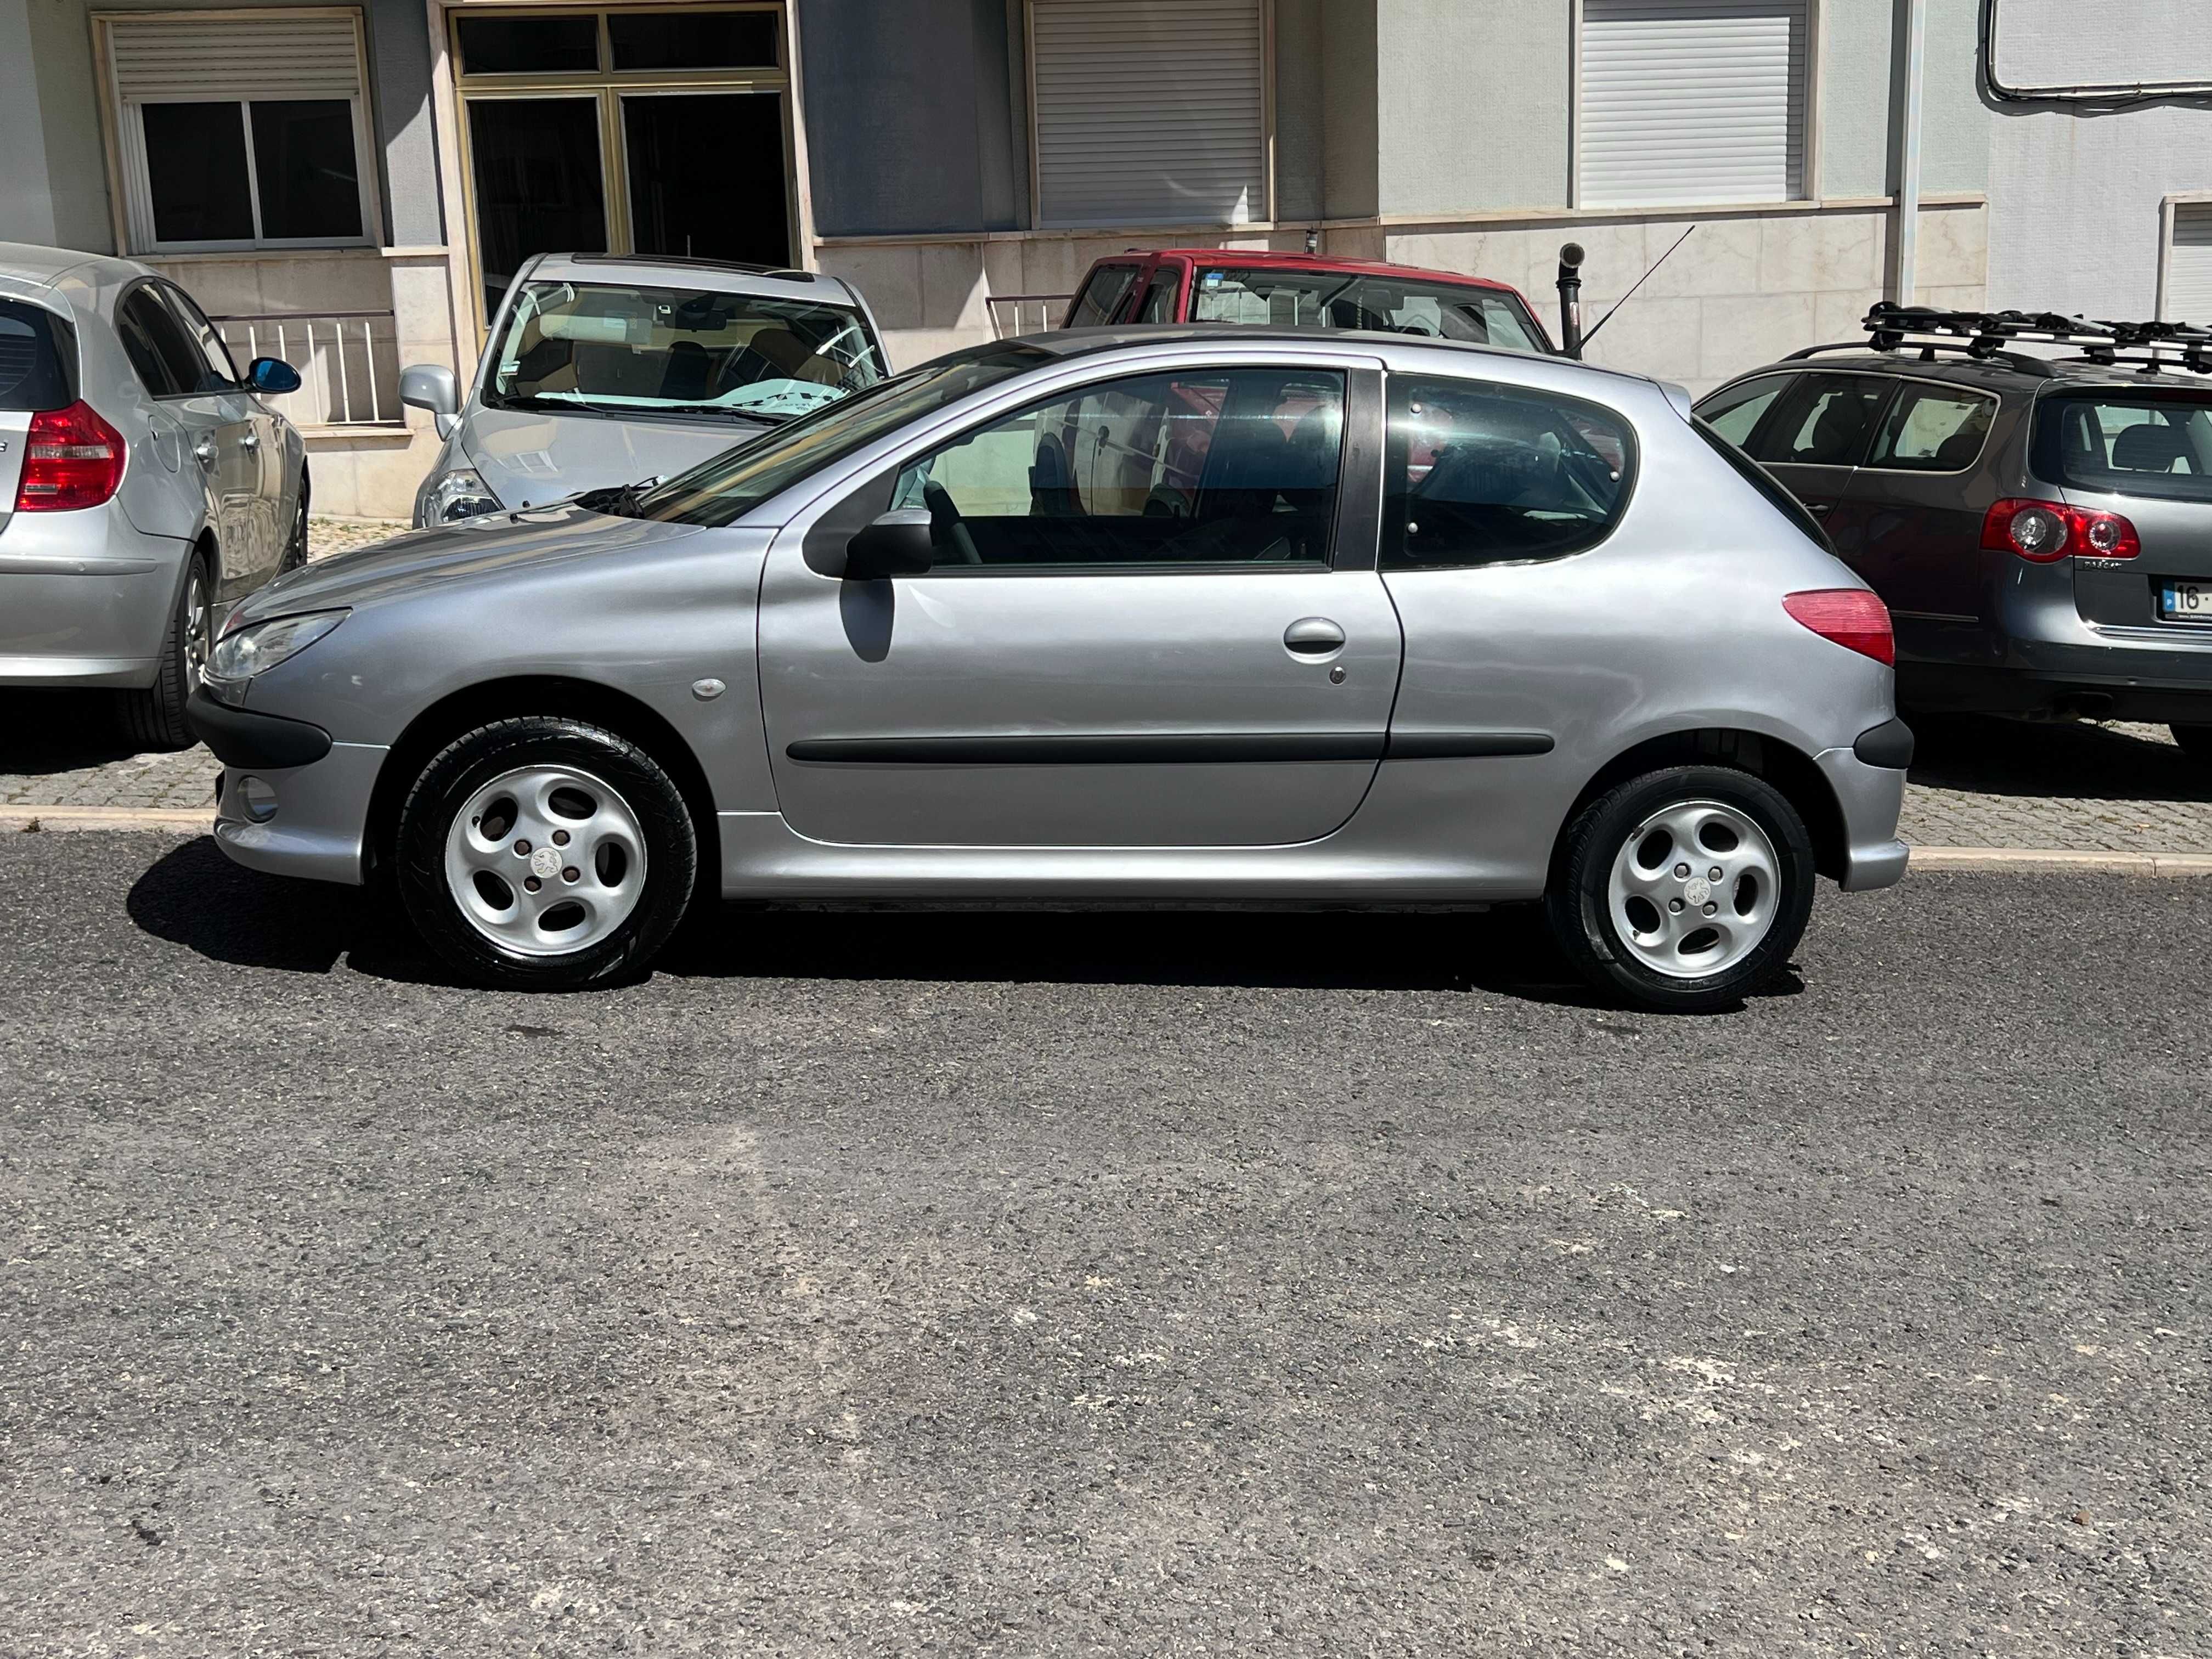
{"points": [[1313, 636], [1820, 509], [203, 451], [251, 440]]}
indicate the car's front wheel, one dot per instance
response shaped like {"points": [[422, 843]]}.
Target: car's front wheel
{"points": [[546, 853], [1684, 889]]}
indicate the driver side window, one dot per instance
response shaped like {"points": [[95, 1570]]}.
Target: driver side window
{"points": [[1201, 467]]}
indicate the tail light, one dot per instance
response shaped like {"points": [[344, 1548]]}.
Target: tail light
{"points": [[71, 458], [2044, 532], [1853, 617]]}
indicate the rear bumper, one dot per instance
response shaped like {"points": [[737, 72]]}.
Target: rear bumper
{"points": [[2067, 680], [85, 598], [1869, 798]]}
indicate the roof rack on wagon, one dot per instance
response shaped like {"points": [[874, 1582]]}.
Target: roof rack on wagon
{"points": [[1983, 336]]}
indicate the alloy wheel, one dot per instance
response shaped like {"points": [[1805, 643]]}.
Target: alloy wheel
{"points": [[198, 620], [1694, 889], [545, 860]]}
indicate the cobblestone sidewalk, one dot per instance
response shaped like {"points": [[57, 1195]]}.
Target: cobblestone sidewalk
{"points": [[61, 748], [1976, 783]]}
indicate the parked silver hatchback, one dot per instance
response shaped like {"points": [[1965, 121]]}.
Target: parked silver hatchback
{"points": [[603, 370], [1184, 614], [143, 480]]}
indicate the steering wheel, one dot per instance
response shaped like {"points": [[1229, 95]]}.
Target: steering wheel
{"points": [[945, 524]]}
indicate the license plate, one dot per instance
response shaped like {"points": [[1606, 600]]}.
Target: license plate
{"points": [[2185, 601]]}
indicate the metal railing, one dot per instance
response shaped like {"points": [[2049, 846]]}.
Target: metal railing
{"points": [[1026, 313], [349, 362]]}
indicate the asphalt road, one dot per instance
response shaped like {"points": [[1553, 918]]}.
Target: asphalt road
{"points": [[881, 1283]]}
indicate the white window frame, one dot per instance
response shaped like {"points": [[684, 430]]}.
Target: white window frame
{"points": [[1816, 54], [131, 184], [1265, 218], [2168, 212]]}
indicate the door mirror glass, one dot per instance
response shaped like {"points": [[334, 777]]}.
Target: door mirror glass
{"points": [[895, 544], [272, 375]]}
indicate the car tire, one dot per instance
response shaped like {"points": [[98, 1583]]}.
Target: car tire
{"points": [[2196, 741], [295, 546], [155, 718], [545, 853], [1633, 924]]}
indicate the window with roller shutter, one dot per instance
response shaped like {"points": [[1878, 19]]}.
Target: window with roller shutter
{"points": [[2188, 295], [1150, 111], [240, 132], [1683, 102]]}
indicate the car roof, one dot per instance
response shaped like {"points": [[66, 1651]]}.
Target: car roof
{"points": [[1275, 260], [714, 275], [64, 280], [1066, 343], [2004, 371]]}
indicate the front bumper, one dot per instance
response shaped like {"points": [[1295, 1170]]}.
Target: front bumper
{"points": [[85, 598], [319, 829], [1869, 798]]}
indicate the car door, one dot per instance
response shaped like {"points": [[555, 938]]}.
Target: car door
{"points": [[260, 475], [1911, 522], [1154, 620], [1161, 300], [1814, 435], [212, 421]]}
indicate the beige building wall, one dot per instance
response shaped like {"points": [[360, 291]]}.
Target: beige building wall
{"points": [[362, 469], [1750, 284]]}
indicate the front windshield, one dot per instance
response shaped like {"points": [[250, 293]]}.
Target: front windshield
{"points": [[1264, 298], [720, 491], [613, 348]]}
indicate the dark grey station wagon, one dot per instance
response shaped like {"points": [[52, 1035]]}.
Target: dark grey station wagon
{"points": [[2040, 526]]}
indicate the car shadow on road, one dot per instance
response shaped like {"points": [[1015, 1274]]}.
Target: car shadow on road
{"points": [[194, 896], [43, 733], [2054, 760]]}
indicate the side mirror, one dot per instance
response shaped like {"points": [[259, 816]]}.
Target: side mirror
{"points": [[895, 544], [272, 375], [432, 386]]}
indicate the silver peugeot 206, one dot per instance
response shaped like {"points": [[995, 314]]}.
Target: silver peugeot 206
{"points": [[1186, 614]]}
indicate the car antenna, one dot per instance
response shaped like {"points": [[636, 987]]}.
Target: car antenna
{"points": [[1640, 282]]}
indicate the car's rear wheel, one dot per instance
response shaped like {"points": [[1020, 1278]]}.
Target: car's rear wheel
{"points": [[1684, 889], [2196, 741], [546, 853], [155, 718]]}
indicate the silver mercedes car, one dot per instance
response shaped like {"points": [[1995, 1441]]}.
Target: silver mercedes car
{"points": [[1183, 614]]}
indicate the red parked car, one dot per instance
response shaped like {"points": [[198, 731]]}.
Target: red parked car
{"points": [[1295, 290]]}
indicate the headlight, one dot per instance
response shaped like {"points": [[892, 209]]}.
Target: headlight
{"points": [[460, 493], [250, 651]]}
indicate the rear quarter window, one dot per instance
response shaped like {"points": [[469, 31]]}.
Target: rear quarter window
{"points": [[1477, 473], [37, 358]]}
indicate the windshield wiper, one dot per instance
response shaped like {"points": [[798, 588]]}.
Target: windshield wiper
{"points": [[555, 406], [617, 500], [716, 408]]}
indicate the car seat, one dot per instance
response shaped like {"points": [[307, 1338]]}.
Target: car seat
{"points": [[688, 371], [2153, 446]]}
